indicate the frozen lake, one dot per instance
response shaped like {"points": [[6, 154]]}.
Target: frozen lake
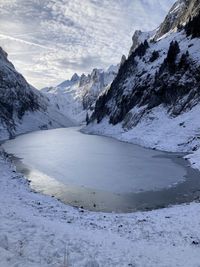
{"points": [[101, 173]]}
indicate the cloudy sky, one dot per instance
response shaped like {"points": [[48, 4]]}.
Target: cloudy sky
{"points": [[49, 40]]}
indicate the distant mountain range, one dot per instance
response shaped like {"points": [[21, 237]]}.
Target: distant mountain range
{"points": [[76, 97]]}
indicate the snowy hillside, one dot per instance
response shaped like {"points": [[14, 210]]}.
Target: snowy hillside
{"points": [[77, 96], [22, 107], [156, 93]]}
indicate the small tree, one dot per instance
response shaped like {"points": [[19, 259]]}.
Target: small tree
{"points": [[170, 60], [183, 63], [141, 49], [173, 52], [87, 119], [154, 56], [193, 27]]}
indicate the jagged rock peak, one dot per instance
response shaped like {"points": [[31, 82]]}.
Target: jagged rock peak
{"points": [[4, 58], [161, 72], [3, 54], [95, 74], [123, 59], [75, 77], [83, 80], [113, 69], [138, 38], [179, 14]]}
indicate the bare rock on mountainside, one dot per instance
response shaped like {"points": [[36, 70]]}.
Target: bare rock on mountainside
{"points": [[159, 71], [179, 14]]}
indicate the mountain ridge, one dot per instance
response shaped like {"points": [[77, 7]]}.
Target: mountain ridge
{"points": [[158, 82], [76, 97], [146, 77], [22, 107]]}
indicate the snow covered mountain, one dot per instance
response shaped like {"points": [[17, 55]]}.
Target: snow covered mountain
{"points": [[179, 14], [158, 83], [22, 107], [77, 96]]}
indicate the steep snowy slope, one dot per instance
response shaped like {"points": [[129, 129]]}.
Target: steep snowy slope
{"points": [[179, 14], [159, 82], [23, 108], [77, 96]]}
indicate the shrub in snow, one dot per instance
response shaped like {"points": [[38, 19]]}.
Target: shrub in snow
{"points": [[193, 27], [154, 56]]}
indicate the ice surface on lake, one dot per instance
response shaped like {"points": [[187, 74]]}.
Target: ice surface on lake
{"points": [[95, 162]]}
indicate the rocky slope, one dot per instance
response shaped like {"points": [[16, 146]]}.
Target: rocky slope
{"points": [[76, 97], [159, 72], [22, 107], [179, 15], [154, 99]]}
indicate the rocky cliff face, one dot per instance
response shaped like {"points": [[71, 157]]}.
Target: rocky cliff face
{"points": [[161, 71], [19, 101], [138, 38], [179, 14]]}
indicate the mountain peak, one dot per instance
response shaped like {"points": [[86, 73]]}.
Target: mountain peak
{"points": [[179, 14], [161, 72], [123, 59], [75, 77], [138, 38], [3, 53]]}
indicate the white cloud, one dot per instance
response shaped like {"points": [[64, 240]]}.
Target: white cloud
{"points": [[49, 40]]}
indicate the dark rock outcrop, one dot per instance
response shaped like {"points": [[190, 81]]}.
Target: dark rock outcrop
{"points": [[17, 98]]}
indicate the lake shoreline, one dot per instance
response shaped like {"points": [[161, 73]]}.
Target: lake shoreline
{"points": [[24, 169], [144, 232], [175, 194]]}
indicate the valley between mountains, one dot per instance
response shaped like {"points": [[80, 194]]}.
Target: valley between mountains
{"points": [[151, 99]]}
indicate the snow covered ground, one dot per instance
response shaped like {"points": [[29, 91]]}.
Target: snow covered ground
{"points": [[37, 230]]}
